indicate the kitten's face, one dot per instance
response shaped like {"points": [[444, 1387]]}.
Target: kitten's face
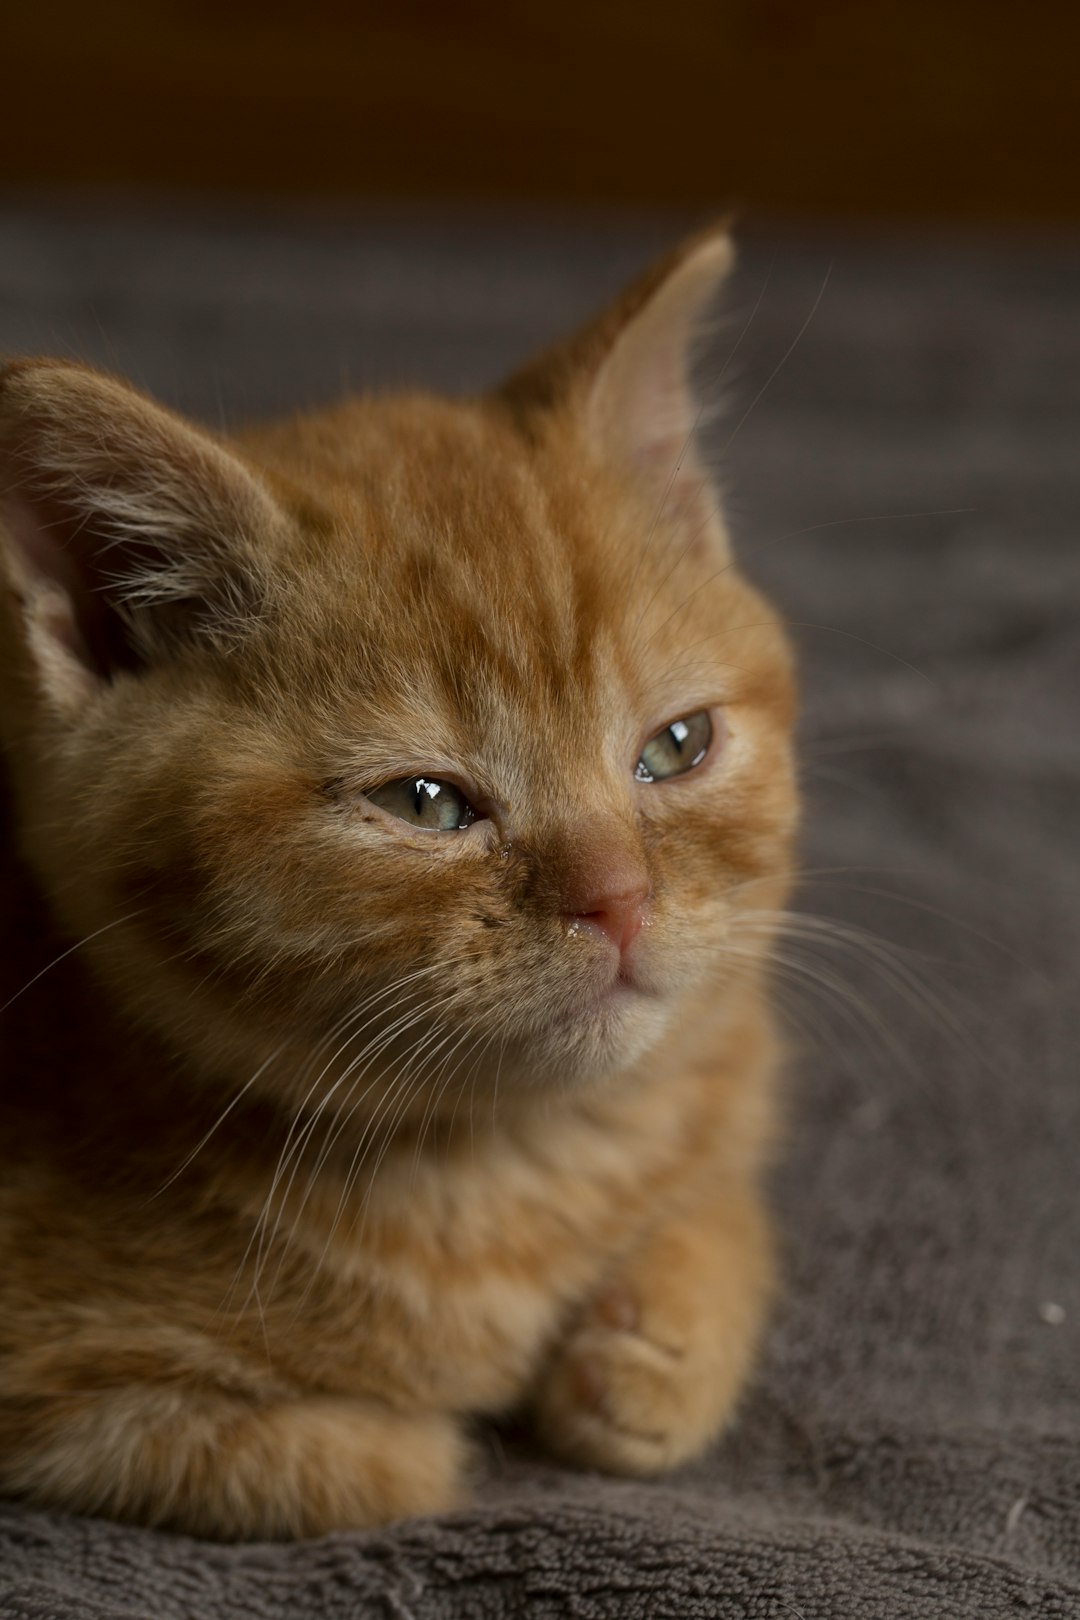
{"points": [[405, 799]]}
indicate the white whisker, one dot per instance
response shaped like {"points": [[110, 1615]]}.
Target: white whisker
{"points": [[117, 922]]}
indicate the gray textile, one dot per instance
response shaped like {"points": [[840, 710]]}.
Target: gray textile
{"points": [[912, 1443]]}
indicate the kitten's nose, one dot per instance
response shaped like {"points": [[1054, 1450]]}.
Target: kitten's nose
{"points": [[616, 910], [603, 882]]}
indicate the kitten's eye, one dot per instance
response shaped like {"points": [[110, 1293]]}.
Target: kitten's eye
{"points": [[678, 748], [424, 802]]}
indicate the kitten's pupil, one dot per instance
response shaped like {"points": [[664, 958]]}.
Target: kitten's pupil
{"points": [[680, 746], [421, 786], [426, 802]]}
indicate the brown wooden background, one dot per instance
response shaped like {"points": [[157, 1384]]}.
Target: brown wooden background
{"points": [[944, 110]]}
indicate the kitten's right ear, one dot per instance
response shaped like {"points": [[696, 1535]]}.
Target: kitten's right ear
{"points": [[124, 531], [625, 381]]}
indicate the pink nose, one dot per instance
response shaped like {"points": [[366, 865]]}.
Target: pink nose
{"points": [[618, 915]]}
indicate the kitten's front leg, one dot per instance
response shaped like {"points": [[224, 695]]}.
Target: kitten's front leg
{"points": [[651, 1370], [213, 1465]]}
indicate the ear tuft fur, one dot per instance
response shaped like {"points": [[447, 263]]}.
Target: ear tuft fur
{"points": [[127, 530]]}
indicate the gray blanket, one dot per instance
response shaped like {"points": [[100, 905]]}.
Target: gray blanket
{"points": [[909, 488]]}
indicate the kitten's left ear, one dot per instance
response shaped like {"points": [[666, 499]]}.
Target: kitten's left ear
{"points": [[125, 532], [627, 380]]}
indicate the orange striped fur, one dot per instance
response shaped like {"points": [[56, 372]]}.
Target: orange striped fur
{"points": [[330, 1134]]}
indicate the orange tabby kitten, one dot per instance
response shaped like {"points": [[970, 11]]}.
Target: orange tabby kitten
{"points": [[388, 788]]}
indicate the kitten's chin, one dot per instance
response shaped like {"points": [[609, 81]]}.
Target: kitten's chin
{"points": [[595, 1038]]}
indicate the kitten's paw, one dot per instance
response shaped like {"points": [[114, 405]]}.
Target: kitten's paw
{"points": [[620, 1397], [652, 1370]]}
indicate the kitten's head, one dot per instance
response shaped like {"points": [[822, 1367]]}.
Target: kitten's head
{"points": [[439, 738]]}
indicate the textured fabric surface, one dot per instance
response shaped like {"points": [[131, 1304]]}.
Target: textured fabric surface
{"points": [[911, 1445]]}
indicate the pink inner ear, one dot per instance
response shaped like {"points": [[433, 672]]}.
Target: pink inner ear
{"points": [[43, 532], [38, 540], [60, 622], [647, 419], [658, 438], [643, 411]]}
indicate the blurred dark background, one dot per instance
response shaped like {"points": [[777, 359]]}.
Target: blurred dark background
{"points": [[943, 110]]}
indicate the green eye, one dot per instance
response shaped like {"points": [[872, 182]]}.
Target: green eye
{"points": [[425, 802], [678, 748]]}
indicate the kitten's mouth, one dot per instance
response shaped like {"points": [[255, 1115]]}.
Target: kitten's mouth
{"points": [[621, 995]]}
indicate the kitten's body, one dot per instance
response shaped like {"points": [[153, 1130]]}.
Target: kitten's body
{"points": [[331, 1136]]}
